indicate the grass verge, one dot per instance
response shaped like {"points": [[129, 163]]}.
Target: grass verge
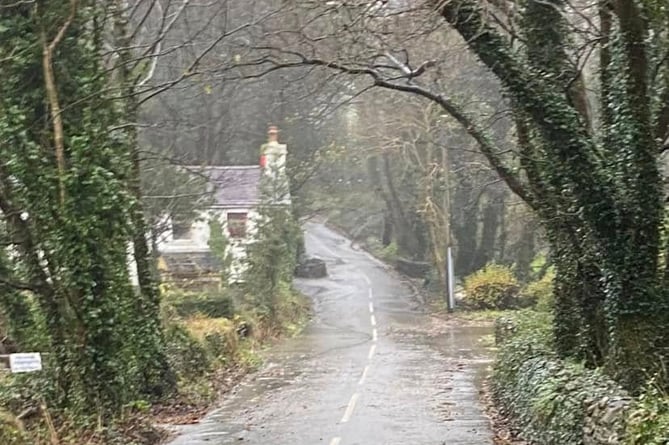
{"points": [[226, 348]]}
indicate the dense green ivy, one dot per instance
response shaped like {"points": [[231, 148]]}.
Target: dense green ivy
{"points": [[69, 231], [272, 255], [220, 247], [547, 399], [596, 186]]}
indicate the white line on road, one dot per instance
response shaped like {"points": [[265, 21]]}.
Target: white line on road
{"points": [[372, 349], [373, 319], [364, 375], [335, 441], [375, 336], [371, 295], [349, 409], [367, 280], [371, 307]]}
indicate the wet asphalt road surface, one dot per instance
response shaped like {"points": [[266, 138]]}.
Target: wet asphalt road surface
{"points": [[370, 369]]}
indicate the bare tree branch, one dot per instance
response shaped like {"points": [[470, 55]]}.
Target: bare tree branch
{"points": [[487, 146], [52, 94]]}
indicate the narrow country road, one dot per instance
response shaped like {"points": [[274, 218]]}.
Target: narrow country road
{"points": [[370, 369]]}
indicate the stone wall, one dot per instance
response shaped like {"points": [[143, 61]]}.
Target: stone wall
{"points": [[605, 421], [413, 269], [551, 401], [504, 329]]}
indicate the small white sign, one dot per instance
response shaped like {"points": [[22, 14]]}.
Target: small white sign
{"points": [[25, 362]]}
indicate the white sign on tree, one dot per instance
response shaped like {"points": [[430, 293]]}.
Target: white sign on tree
{"points": [[25, 362]]}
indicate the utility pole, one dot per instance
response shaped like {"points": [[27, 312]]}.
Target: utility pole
{"points": [[448, 258]]}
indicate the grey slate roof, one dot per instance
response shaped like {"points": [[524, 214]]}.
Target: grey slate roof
{"points": [[235, 186]]}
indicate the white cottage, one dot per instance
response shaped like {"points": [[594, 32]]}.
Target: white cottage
{"points": [[184, 248]]}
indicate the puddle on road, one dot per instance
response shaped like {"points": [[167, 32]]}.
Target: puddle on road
{"points": [[459, 360], [288, 362], [467, 357], [466, 350], [471, 340]]}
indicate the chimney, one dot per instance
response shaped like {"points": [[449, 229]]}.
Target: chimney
{"points": [[272, 134], [273, 162], [272, 153]]}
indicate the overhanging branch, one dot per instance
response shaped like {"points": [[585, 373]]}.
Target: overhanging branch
{"points": [[486, 145]]}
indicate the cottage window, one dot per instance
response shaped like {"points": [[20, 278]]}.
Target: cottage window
{"points": [[237, 225], [180, 228]]}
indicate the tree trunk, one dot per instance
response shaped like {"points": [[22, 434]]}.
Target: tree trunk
{"points": [[525, 253], [485, 251], [387, 235], [158, 378], [407, 241]]}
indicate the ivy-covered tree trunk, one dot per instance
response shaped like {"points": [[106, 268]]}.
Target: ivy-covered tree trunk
{"points": [[14, 305], [271, 257], [158, 378], [606, 199], [579, 324], [633, 296], [65, 196]]}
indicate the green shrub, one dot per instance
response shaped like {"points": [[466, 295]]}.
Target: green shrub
{"points": [[294, 310], [538, 265], [186, 355], [523, 331], [493, 287], [389, 252], [540, 293], [648, 422], [218, 336], [214, 304]]}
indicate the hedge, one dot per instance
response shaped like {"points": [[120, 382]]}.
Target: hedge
{"points": [[214, 304]]}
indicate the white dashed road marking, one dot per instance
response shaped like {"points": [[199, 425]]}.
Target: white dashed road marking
{"points": [[364, 375], [354, 398], [349, 409]]}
